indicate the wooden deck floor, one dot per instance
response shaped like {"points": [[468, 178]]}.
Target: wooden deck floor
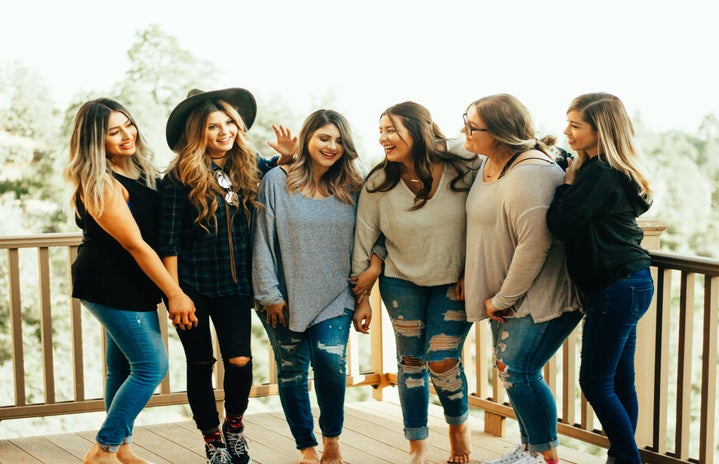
{"points": [[372, 435]]}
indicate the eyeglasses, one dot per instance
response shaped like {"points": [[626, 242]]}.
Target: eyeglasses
{"points": [[469, 128], [224, 181]]}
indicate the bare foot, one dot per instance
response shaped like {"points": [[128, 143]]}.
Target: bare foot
{"points": [[460, 446], [126, 456], [309, 456], [417, 452], [331, 451], [97, 455]]}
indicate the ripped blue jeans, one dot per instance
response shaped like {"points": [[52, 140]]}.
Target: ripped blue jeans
{"points": [[430, 325], [521, 349], [324, 346]]}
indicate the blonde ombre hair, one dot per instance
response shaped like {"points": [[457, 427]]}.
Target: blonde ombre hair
{"points": [[615, 133], [342, 179], [88, 171], [193, 167]]}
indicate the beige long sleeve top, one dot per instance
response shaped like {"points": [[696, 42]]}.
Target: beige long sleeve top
{"points": [[511, 255]]}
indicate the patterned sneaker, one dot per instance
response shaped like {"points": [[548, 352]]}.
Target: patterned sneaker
{"points": [[515, 457], [217, 453], [236, 444]]}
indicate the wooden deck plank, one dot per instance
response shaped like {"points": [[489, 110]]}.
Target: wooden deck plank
{"points": [[372, 435]]}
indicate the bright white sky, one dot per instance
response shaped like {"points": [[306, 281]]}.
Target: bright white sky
{"points": [[660, 57]]}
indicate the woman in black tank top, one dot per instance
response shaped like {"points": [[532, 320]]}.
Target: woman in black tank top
{"points": [[117, 274]]}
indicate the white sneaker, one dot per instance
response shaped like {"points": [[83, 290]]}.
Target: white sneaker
{"points": [[513, 457]]}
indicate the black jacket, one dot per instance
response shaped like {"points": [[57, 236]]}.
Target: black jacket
{"points": [[596, 217]]}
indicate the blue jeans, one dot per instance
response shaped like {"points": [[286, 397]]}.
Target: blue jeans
{"points": [[607, 371], [324, 346], [136, 362], [522, 347], [430, 325]]}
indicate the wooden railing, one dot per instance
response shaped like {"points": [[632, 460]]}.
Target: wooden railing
{"points": [[676, 355]]}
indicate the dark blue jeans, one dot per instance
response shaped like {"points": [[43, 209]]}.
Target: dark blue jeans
{"points": [[607, 372], [324, 346]]}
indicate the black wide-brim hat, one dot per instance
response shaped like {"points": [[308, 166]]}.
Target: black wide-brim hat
{"points": [[242, 100]]}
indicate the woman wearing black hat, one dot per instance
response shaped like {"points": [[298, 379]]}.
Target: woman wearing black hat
{"points": [[208, 199]]}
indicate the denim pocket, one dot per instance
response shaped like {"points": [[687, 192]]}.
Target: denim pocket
{"points": [[641, 299]]}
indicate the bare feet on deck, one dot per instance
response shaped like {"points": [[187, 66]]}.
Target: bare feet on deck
{"points": [[97, 455], [309, 456], [331, 451], [417, 452], [460, 446], [126, 456]]}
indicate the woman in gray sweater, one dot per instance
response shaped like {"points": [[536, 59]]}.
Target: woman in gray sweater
{"points": [[516, 273], [301, 265]]}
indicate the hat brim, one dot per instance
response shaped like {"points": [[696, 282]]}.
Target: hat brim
{"points": [[242, 100]]}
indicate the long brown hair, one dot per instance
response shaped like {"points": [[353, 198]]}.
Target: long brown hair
{"points": [[430, 145], [342, 179], [193, 167]]}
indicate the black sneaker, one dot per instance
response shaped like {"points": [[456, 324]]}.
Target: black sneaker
{"points": [[236, 444], [217, 453]]}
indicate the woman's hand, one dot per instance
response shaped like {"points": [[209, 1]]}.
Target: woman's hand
{"points": [[362, 316], [363, 282], [276, 313], [459, 288], [286, 145], [492, 312], [571, 172], [181, 311]]}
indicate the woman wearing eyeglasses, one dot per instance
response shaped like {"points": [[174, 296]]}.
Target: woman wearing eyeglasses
{"points": [[415, 198], [516, 273], [117, 274], [208, 200]]}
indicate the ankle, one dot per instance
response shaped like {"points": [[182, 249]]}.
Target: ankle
{"points": [[234, 422]]}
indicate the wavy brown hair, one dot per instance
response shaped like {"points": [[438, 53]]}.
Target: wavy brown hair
{"points": [[430, 145], [342, 179], [88, 170], [193, 168]]}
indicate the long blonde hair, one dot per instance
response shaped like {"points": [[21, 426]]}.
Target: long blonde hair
{"points": [[88, 170], [343, 178], [615, 132], [192, 167]]}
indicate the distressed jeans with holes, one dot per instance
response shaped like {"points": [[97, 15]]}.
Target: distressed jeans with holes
{"points": [[524, 347], [430, 325], [324, 346], [608, 346]]}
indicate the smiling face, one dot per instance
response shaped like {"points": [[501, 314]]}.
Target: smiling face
{"points": [[396, 140], [121, 136], [220, 134], [325, 147], [580, 134]]}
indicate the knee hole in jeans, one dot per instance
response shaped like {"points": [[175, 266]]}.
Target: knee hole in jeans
{"points": [[446, 375], [239, 361]]}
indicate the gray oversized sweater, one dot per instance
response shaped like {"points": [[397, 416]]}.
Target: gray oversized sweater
{"points": [[511, 255], [301, 253]]}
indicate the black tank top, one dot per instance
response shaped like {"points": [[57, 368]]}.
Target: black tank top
{"points": [[104, 272]]}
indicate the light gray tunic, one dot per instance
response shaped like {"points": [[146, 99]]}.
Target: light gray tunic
{"points": [[301, 253]]}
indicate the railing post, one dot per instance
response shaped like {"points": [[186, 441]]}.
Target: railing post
{"points": [[646, 355]]}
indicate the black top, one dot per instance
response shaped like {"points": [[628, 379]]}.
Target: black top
{"points": [[104, 272], [596, 217]]}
